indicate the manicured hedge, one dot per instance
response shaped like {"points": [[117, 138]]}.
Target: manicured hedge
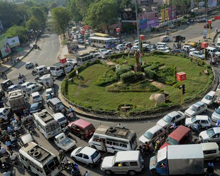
{"points": [[131, 77], [150, 74], [107, 78], [123, 69]]}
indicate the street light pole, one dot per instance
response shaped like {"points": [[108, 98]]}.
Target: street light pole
{"points": [[137, 22]]}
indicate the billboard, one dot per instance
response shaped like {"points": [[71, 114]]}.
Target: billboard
{"points": [[212, 3], [164, 14], [13, 42], [4, 46], [168, 13], [128, 16]]}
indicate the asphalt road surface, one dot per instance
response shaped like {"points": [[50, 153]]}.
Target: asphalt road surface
{"points": [[49, 45]]}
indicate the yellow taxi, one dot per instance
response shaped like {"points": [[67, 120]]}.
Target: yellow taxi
{"points": [[191, 43]]}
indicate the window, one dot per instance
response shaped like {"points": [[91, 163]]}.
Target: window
{"points": [[133, 164], [209, 152], [79, 155], [125, 164], [85, 157]]}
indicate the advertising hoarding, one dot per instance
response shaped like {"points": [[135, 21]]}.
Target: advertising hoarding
{"points": [[4, 46], [13, 42]]}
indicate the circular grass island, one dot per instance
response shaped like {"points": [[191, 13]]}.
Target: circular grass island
{"points": [[112, 86]]}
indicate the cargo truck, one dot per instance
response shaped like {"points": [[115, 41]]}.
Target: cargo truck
{"points": [[16, 100], [178, 160]]}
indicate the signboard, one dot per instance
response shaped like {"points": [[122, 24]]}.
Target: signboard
{"points": [[209, 22], [212, 3], [164, 14], [181, 76], [128, 16], [13, 42], [143, 24], [4, 46]]}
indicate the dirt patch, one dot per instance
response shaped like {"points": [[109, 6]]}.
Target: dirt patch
{"points": [[158, 84]]}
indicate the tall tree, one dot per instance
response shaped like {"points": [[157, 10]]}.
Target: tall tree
{"points": [[19, 31], [104, 12], [73, 10], [38, 13], [60, 19], [34, 24]]}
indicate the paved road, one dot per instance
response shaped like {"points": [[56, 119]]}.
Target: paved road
{"points": [[47, 55]]}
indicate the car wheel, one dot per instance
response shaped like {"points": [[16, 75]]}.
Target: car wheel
{"points": [[132, 173], [74, 159], [91, 165], [108, 172]]}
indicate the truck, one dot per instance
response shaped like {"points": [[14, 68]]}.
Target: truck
{"points": [[16, 100], [64, 142], [178, 160]]}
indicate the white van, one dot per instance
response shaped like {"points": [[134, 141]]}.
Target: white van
{"points": [[60, 118], [124, 162], [46, 80], [212, 50], [211, 151], [58, 69], [41, 70]]}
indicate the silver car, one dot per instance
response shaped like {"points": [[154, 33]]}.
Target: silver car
{"points": [[196, 109], [216, 114], [210, 135], [175, 116]]}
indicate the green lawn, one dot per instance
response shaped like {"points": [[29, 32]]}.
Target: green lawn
{"points": [[85, 92]]}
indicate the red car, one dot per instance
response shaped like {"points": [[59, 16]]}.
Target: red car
{"points": [[82, 128], [181, 135]]}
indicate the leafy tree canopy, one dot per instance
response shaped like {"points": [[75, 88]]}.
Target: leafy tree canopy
{"points": [[19, 31]]}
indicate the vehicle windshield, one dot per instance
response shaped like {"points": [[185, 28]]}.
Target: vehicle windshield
{"points": [[79, 150], [210, 132], [51, 165], [148, 135], [193, 119], [94, 155], [217, 110], [61, 119], [215, 50], [167, 118], [193, 108], [52, 126], [171, 141], [35, 107], [208, 97]]}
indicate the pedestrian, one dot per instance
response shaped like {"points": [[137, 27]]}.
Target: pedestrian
{"points": [[47, 84], [77, 73], [8, 144], [87, 173], [218, 122]]}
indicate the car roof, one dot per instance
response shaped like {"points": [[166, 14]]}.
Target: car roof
{"points": [[172, 114], [209, 146], [178, 133], [126, 156], [35, 94], [197, 104], [2, 109], [58, 115], [202, 117], [54, 100], [26, 83], [82, 123], [41, 66], [155, 128], [6, 81], [216, 129], [88, 150], [14, 85], [49, 89], [211, 93]]}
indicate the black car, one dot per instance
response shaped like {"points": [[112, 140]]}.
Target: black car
{"points": [[6, 84], [2, 94], [178, 38]]}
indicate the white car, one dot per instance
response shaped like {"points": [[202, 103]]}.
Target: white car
{"points": [[196, 109], [14, 87], [72, 61], [210, 135], [29, 65], [218, 88], [25, 85], [204, 120], [87, 155], [216, 114], [36, 97], [133, 48], [175, 116], [48, 92], [163, 50], [33, 88], [209, 98], [102, 51], [187, 46], [120, 47], [152, 134], [197, 54]]}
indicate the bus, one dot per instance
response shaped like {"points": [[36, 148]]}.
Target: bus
{"points": [[101, 35], [39, 160], [89, 57], [46, 124], [103, 42], [113, 139]]}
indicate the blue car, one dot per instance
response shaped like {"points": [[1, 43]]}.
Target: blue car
{"points": [[36, 107]]}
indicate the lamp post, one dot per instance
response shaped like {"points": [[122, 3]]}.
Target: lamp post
{"points": [[141, 46]]}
